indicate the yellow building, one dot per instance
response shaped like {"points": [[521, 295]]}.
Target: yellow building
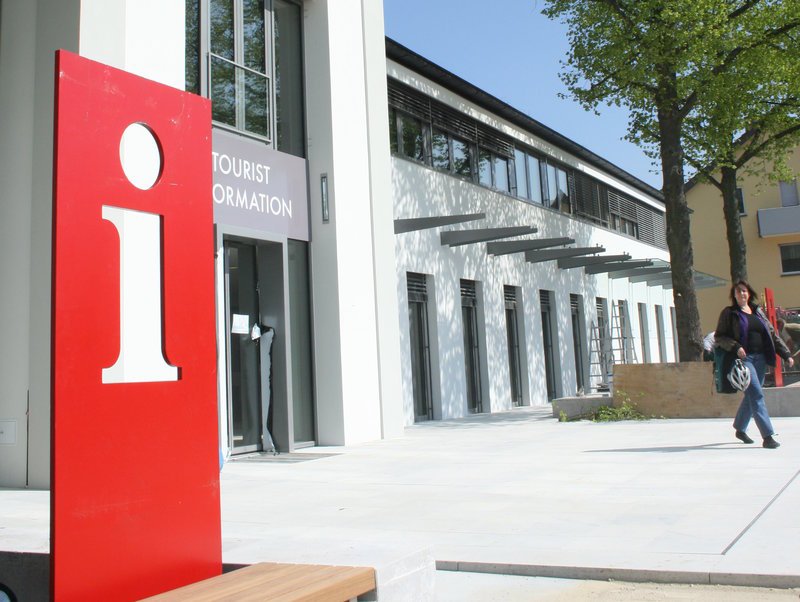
{"points": [[770, 213]]}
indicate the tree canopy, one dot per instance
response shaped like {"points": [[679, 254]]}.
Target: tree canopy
{"points": [[749, 124], [669, 62]]}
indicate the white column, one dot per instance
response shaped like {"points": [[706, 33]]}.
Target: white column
{"points": [[356, 337]]}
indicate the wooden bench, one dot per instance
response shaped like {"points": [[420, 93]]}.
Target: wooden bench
{"points": [[279, 582]]}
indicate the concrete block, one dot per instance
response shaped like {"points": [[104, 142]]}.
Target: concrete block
{"points": [[687, 390], [576, 407], [26, 574]]}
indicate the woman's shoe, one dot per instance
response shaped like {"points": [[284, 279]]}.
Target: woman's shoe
{"points": [[742, 436], [770, 443]]}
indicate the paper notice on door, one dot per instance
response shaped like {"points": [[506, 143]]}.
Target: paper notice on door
{"points": [[241, 324]]}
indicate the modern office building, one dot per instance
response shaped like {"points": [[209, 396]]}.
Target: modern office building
{"points": [[392, 244], [770, 218]]}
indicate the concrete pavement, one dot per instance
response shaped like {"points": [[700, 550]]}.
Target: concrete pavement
{"points": [[515, 493]]}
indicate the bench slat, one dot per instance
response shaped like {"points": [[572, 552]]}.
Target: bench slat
{"points": [[278, 582]]}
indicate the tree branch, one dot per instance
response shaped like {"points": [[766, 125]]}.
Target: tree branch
{"points": [[755, 151]]}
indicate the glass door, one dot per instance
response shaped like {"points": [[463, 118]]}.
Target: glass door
{"points": [[512, 340], [548, 342], [420, 347], [244, 366], [576, 311], [472, 361]]}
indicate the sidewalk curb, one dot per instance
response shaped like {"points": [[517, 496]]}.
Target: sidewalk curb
{"points": [[622, 574]]}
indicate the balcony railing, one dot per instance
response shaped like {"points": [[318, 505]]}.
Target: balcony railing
{"points": [[778, 221]]}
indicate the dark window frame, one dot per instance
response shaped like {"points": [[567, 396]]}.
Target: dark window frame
{"points": [[784, 259]]}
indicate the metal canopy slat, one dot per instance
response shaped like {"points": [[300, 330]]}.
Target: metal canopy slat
{"points": [[455, 238], [425, 223], [550, 254], [653, 278], [650, 271], [517, 246], [577, 262], [623, 265]]}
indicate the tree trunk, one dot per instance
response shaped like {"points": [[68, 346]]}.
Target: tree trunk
{"points": [[679, 241], [737, 250]]}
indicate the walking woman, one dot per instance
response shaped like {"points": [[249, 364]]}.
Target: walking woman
{"points": [[744, 329]]}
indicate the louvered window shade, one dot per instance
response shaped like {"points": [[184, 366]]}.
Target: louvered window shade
{"points": [[417, 287], [440, 115], [468, 294]]}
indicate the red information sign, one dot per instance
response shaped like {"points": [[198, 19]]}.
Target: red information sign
{"points": [[135, 472]]}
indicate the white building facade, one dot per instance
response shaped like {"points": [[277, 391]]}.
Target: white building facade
{"points": [[408, 269], [526, 264]]}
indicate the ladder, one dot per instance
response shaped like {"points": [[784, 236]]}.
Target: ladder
{"points": [[623, 350], [600, 361], [609, 348]]}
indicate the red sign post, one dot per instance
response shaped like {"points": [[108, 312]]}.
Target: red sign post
{"points": [[135, 474], [769, 305]]}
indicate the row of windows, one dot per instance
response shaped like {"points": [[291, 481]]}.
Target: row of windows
{"points": [[541, 181], [526, 175], [611, 341], [424, 130]]}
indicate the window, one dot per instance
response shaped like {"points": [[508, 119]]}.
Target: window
{"points": [[485, 167], [448, 153], [192, 45], [493, 170], [501, 174], [789, 194], [644, 333], [289, 94], [539, 181], [394, 143], [239, 87], [578, 334], [548, 184], [420, 344], [254, 62], [535, 182], [662, 346], [563, 190], [520, 174], [739, 194], [462, 158], [472, 355], [512, 340], [440, 150], [549, 343], [411, 140], [674, 321], [790, 259]]}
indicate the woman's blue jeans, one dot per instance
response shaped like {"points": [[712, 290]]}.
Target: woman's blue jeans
{"points": [[753, 405]]}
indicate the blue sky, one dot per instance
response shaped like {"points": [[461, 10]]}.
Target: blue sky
{"points": [[510, 50]]}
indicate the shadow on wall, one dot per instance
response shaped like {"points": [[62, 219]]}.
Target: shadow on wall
{"points": [[420, 191]]}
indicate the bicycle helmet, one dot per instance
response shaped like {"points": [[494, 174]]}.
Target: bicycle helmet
{"points": [[739, 376]]}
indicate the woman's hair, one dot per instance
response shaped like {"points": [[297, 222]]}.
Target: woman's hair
{"points": [[750, 291]]}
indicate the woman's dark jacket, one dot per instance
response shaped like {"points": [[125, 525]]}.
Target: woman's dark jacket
{"points": [[731, 333]]}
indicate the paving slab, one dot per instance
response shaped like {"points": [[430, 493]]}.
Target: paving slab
{"points": [[514, 493]]}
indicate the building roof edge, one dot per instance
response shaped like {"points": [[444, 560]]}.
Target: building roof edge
{"points": [[419, 64]]}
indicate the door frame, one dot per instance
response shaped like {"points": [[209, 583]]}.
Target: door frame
{"points": [[278, 316]]}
